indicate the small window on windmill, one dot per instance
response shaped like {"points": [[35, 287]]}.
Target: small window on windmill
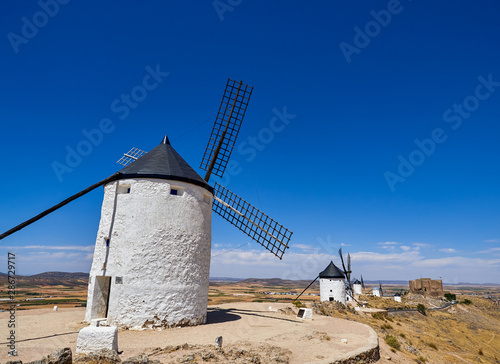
{"points": [[118, 280], [176, 191], [106, 240], [206, 198], [122, 189]]}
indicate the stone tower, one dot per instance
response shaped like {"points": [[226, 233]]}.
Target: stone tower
{"points": [[151, 261], [332, 284], [357, 287]]}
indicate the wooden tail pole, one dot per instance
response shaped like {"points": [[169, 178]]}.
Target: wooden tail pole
{"points": [[59, 205], [310, 284]]}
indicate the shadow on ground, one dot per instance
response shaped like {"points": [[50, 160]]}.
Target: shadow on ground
{"points": [[219, 315]]}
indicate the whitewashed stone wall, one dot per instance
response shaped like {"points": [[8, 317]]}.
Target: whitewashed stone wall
{"points": [[158, 256], [357, 289], [332, 287]]}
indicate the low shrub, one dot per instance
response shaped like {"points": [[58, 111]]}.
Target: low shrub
{"points": [[421, 309], [298, 304], [450, 296], [432, 345], [392, 342]]}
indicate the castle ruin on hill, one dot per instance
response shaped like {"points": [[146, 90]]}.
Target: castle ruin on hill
{"points": [[427, 287]]}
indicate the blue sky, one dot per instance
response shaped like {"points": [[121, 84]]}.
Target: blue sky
{"points": [[388, 145]]}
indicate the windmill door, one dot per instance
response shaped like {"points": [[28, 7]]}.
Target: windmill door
{"points": [[100, 300]]}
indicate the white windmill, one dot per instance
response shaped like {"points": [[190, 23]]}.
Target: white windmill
{"points": [[332, 284], [152, 254], [357, 287], [376, 291]]}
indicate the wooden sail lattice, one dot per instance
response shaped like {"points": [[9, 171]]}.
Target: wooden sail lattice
{"points": [[253, 222], [226, 128]]}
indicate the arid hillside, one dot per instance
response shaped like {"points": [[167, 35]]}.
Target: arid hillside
{"points": [[462, 333]]}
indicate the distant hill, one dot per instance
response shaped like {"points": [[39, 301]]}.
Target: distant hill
{"points": [[79, 278], [225, 279], [49, 279], [61, 275]]}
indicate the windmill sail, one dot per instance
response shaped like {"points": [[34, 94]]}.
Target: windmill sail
{"points": [[131, 156], [347, 271], [253, 222], [226, 128]]}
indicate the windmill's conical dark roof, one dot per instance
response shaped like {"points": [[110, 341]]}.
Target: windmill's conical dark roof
{"points": [[356, 281], [331, 272], [165, 163]]}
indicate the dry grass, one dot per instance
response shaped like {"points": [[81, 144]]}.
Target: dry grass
{"points": [[392, 342], [458, 334]]}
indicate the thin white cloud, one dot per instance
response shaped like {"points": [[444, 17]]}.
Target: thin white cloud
{"points": [[492, 241], [422, 245], [87, 248], [304, 247], [405, 247], [388, 243], [459, 262], [53, 257], [371, 257], [448, 250], [489, 251]]}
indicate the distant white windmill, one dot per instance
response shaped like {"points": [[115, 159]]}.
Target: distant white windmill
{"points": [[357, 287], [332, 284]]}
